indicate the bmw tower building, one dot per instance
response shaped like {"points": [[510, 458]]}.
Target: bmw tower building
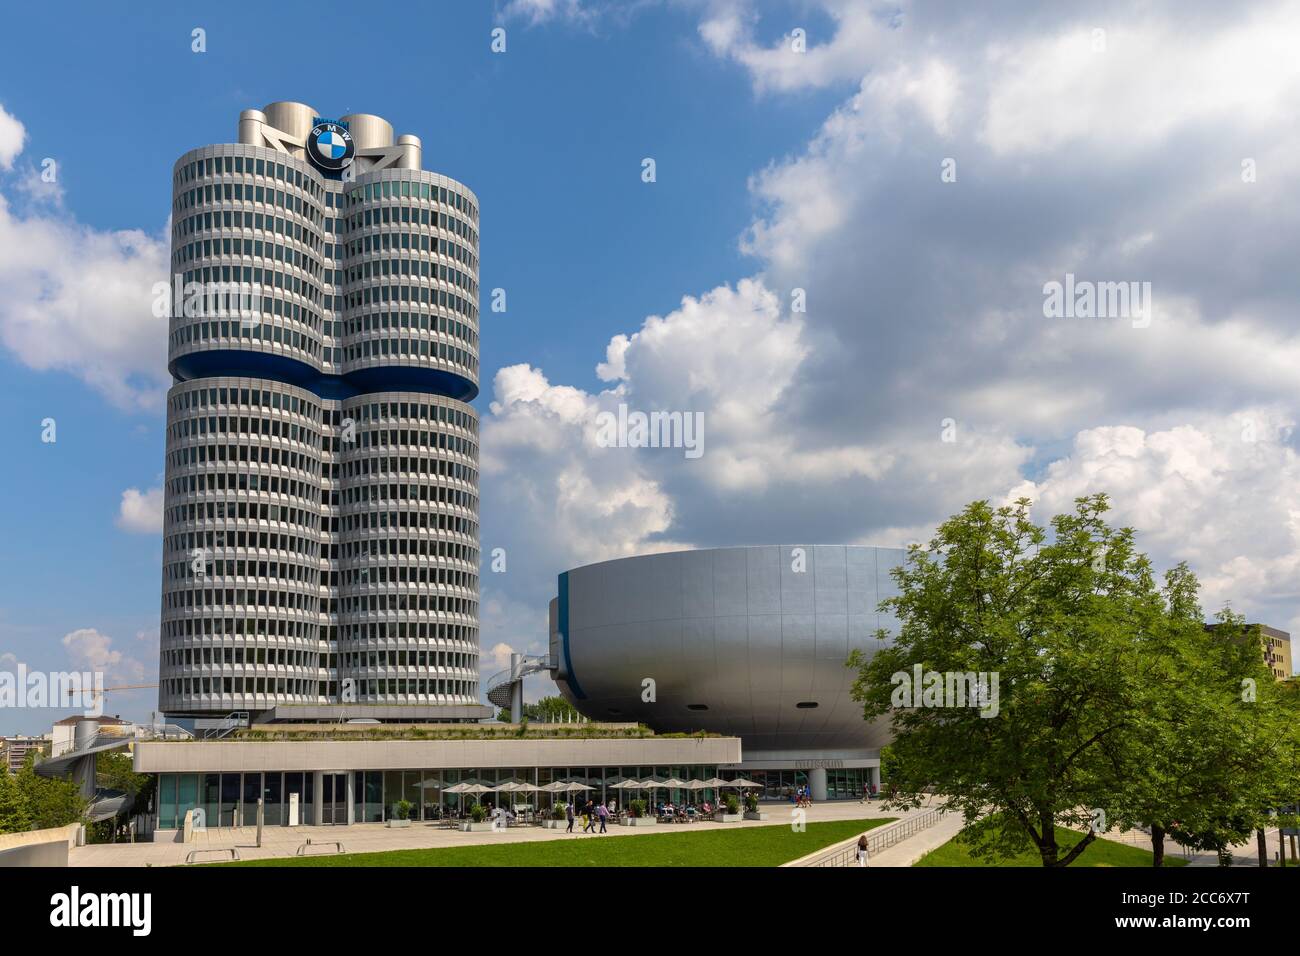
{"points": [[320, 537]]}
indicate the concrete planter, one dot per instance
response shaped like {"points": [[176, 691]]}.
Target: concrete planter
{"points": [[639, 821], [397, 824], [755, 815], [469, 826], [555, 824], [729, 817]]}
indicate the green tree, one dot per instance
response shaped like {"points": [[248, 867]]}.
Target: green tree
{"points": [[50, 802], [1055, 622], [555, 709], [549, 710], [1217, 747], [14, 816]]}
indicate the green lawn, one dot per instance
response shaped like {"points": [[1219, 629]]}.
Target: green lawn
{"points": [[743, 846], [1099, 853]]}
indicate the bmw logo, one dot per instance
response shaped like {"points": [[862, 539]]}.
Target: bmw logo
{"points": [[329, 146]]}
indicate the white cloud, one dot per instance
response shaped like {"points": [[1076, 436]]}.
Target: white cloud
{"points": [[860, 32], [141, 511], [77, 299], [1153, 76], [571, 11], [12, 135], [91, 650], [1219, 493]]}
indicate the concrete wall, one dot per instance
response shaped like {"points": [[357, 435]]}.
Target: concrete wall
{"points": [[38, 847], [237, 755]]}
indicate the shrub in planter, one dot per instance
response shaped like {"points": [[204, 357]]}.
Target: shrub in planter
{"points": [[751, 803], [732, 804], [477, 813], [636, 808], [404, 808], [557, 812]]}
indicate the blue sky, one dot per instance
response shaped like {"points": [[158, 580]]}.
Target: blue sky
{"points": [[777, 170]]}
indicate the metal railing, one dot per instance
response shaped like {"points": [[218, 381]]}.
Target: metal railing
{"points": [[845, 853], [498, 686], [337, 844], [217, 729], [234, 854]]}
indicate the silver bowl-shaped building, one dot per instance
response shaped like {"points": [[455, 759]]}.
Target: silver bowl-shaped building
{"points": [[749, 642]]}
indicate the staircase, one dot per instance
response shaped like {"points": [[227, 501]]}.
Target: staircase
{"points": [[505, 689]]}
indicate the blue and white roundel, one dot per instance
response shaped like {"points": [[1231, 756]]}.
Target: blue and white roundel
{"points": [[332, 146], [329, 146]]}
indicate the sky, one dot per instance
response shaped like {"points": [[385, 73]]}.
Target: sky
{"points": [[841, 264]]}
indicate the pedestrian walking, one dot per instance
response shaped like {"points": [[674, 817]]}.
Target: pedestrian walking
{"points": [[862, 850]]}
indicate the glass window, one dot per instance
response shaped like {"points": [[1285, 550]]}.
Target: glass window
{"points": [[187, 796], [306, 814], [252, 790], [411, 791], [166, 801], [374, 797], [273, 804], [212, 799]]}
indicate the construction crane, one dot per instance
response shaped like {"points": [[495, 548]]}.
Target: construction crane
{"points": [[96, 692]]}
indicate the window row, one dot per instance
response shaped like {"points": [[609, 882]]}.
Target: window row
{"points": [[366, 520], [188, 541], [251, 628], [404, 574], [240, 597], [202, 454], [408, 189]]}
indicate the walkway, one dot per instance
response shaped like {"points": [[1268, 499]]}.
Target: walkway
{"points": [[375, 837], [1245, 854]]}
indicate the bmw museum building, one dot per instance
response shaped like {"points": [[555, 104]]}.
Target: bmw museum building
{"points": [[746, 642]]}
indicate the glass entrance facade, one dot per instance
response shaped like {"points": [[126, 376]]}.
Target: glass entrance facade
{"points": [[230, 799]]}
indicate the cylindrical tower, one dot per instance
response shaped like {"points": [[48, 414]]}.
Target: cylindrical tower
{"points": [[321, 496]]}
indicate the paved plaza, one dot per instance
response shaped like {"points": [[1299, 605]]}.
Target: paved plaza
{"points": [[375, 837]]}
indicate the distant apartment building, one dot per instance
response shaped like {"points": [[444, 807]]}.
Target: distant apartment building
{"points": [[1277, 651], [14, 750], [1276, 646]]}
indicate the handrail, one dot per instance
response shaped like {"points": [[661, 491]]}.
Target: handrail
{"points": [[845, 852], [234, 854], [338, 844], [497, 688], [232, 721]]}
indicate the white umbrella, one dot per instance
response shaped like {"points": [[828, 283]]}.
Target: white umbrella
{"points": [[743, 782], [651, 784], [471, 788], [628, 785], [468, 788]]}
